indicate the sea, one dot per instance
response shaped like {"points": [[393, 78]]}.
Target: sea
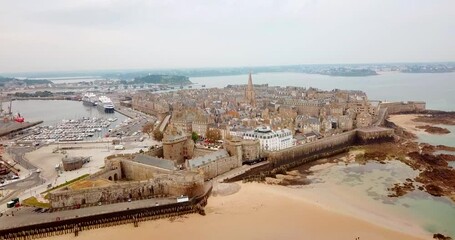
{"points": [[368, 182]]}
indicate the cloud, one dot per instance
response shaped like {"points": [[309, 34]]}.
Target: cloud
{"points": [[87, 34]]}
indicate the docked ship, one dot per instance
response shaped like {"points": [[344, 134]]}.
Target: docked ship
{"points": [[89, 99], [105, 104]]}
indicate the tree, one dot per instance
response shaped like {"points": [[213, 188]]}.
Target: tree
{"points": [[157, 135], [148, 128], [213, 135], [194, 136]]}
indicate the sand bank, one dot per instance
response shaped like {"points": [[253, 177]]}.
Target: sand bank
{"points": [[256, 211], [406, 121]]}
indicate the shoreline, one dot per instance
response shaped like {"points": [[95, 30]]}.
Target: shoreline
{"points": [[275, 212], [407, 122]]}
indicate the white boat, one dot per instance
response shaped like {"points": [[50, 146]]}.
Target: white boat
{"points": [[105, 104], [89, 99]]}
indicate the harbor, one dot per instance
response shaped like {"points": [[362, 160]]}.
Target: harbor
{"points": [[70, 130]]}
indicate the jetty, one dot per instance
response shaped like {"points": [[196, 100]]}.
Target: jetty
{"points": [[12, 127]]}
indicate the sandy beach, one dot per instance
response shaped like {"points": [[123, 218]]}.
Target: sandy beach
{"points": [[406, 121], [260, 211]]}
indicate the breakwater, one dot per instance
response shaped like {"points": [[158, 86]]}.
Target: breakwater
{"points": [[129, 216]]}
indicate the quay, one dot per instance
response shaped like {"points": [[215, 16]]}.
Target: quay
{"points": [[125, 113], [13, 127]]}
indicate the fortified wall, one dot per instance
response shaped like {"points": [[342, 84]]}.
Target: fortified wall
{"points": [[339, 141], [139, 181], [403, 107]]}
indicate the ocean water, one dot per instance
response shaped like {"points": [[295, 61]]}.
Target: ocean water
{"points": [[437, 89], [452, 164], [436, 139], [368, 184]]}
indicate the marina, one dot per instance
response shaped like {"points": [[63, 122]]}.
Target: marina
{"points": [[71, 130]]}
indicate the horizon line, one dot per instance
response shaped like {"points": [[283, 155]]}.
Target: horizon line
{"points": [[218, 67]]}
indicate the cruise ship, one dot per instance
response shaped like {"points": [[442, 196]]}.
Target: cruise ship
{"points": [[105, 104], [89, 99]]}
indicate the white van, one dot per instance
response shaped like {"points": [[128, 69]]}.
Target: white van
{"points": [[119, 147]]}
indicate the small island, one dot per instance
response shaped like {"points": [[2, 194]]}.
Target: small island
{"points": [[348, 72], [434, 129], [163, 79], [6, 81], [428, 69]]}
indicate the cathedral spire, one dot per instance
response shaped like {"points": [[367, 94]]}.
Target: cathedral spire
{"points": [[250, 83], [250, 96]]}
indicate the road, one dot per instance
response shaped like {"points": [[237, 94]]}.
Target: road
{"points": [[20, 186], [34, 184]]}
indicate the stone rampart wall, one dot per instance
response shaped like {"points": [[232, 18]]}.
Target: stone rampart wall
{"points": [[291, 153], [199, 152], [161, 185], [331, 143], [134, 171], [372, 136], [218, 167], [156, 152], [403, 107]]}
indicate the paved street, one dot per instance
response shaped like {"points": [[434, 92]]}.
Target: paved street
{"points": [[19, 186]]}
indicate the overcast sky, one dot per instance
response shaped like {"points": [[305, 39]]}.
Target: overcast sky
{"points": [[56, 35]]}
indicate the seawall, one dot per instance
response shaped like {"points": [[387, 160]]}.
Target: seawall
{"points": [[128, 216], [339, 141], [308, 152]]}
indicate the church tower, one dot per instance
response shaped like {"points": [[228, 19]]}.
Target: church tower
{"points": [[250, 96]]}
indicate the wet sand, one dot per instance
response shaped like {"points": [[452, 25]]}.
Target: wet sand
{"points": [[406, 121], [260, 211]]}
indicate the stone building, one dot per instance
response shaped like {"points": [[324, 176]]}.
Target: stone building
{"points": [[183, 125], [345, 123], [271, 140], [363, 119], [150, 103], [73, 163], [177, 147], [307, 124], [245, 150], [214, 164], [200, 127]]}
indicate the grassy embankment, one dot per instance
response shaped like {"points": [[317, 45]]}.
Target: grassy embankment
{"points": [[34, 202]]}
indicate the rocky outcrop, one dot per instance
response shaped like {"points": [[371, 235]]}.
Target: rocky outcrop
{"points": [[434, 129]]}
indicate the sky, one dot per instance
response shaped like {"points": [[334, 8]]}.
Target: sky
{"points": [[60, 35]]}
